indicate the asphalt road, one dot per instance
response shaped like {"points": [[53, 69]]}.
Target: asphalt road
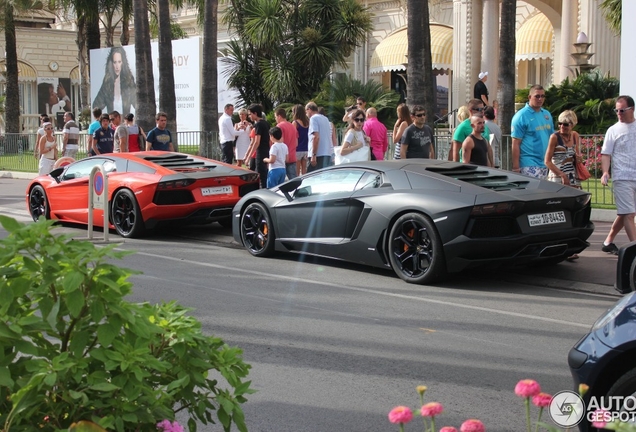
{"points": [[334, 347]]}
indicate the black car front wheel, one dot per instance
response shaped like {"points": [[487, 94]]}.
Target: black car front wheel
{"points": [[624, 387], [125, 214], [415, 249], [257, 231], [38, 203]]}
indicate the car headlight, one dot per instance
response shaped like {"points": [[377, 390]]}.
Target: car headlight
{"points": [[613, 312]]}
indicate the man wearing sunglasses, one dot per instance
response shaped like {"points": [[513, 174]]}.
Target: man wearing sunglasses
{"points": [[531, 128], [476, 107], [618, 152], [417, 140]]}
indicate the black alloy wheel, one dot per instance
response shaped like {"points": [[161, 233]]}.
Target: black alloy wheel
{"points": [[125, 214], [38, 203], [257, 231], [415, 249]]}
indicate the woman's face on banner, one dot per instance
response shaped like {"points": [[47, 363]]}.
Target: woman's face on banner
{"points": [[117, 63]]}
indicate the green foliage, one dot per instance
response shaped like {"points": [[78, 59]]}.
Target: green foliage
{"points": [[284, 49], [342, 92], [612, 11], [71, 347]]}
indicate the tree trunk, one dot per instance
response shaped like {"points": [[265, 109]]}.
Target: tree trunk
{"points": [[167, 100], [93, 34], [125, 31], [420, 82], [146, 105], [507, 43], [209, 90], [12, 101], [85, 93]]}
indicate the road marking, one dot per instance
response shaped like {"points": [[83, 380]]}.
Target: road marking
{"points": [[376, 292], [17, 214]]}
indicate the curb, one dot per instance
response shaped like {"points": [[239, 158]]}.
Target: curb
{"points": [[18, 175]]}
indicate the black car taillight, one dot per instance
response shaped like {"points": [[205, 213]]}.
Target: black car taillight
{"points": [[175, 184], [493, 209], [249, 178]]}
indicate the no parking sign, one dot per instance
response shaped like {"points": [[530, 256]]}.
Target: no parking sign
{"points": [[97, 198]]}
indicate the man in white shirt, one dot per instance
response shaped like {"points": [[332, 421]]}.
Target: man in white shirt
{"points": [[320, 145], [227, 133]]}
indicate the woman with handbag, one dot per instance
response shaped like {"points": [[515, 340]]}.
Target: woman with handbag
{"points": [[564, 152], [353, 146]]}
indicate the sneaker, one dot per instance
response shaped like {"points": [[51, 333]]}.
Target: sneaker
{"points": [[610, 248]]}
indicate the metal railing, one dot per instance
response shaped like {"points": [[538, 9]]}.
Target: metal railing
{"points": [[17, 154]]}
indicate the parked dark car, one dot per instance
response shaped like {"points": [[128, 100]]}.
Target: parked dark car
{"points": [[422, 218], [605, 358]]}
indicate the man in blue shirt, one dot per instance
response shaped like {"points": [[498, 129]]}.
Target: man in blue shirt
{"points": [[103, 138], [92, 128], [531, 129], [160, 138], [320, 145]]}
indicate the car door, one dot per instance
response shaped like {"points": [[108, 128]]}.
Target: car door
{"points": [[69, 198], [319, 211]]}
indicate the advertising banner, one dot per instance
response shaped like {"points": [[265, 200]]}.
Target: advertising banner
{"points": [[113, 85], [54, 98]]}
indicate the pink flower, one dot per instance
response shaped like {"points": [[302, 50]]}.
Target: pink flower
{"points": [[432, 409], [400, 414], [599, 418], [527, 388], [472, 425], [166, 426], [448, 429], [542, 400]]}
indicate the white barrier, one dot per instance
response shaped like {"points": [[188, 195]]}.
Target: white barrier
{"points": [[98, 198]]}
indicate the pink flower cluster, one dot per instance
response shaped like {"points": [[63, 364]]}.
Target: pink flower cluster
{"points": [[400, 414], [166, 426], [432, 409], [472, 425], [527, 388]]}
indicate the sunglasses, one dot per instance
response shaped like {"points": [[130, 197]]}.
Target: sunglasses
{"points": [[419, 115], [111, 119], [539, 96], [477, 109], [359, 119], [48, 128], [564, 124], [621, 111]]}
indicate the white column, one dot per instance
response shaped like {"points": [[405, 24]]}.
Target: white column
{"points": [[462, 53], [568, 23], [490, 46], [476, 37]]}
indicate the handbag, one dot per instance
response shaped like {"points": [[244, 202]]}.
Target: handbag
{"points": [[359, 155], [581, 172]]}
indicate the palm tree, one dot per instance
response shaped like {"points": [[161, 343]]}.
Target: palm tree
{"points": [[12, 91], [286, 48], [146, 106], [209, 90], [167, 100], [507, 64], [612, 11], [421, 84]]}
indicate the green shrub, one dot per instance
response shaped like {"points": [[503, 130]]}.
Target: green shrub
{"points": [[71, 347]]}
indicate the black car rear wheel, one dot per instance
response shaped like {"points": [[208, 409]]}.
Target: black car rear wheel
{"points": [[126, 215], [38, 203], [257, 231], [632, 275], [624, 386], [415, 249]]}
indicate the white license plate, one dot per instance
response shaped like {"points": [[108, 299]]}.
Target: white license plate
{"points": [[546, 218], [220, 190]]}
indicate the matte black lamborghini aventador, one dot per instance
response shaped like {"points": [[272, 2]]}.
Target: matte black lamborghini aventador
{"points": [[421, 217]]}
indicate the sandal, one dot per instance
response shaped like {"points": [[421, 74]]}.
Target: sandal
{"points": [[572, 257]]}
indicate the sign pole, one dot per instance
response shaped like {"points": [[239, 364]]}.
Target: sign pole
{"points": [[98, 198]]}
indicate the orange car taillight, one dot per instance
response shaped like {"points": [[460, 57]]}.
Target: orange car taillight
{"points": [[175, 184], [249, 178], [493, 209]]}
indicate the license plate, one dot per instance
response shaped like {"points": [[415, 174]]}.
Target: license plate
{"points": [[220, 190], [546, 218]]}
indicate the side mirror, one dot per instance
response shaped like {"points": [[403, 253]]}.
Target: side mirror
{"points": [[303, 192], [290, 186], [56, 173]]}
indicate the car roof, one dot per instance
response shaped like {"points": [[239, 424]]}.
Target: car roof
{"points": [[173, 162]]}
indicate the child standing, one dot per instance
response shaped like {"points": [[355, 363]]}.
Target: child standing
{"points": [[277, 157]]}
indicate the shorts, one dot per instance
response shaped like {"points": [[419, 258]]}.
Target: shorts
{"points": [[301, 155], [71, 151], [625, 196], [275, 177], [534, 171]]}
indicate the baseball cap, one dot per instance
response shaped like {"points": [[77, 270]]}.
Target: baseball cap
{"points": [[482, 74]]}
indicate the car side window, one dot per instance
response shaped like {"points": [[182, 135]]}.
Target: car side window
{"points": [[370, 180], [83, 168], [331, 181]]}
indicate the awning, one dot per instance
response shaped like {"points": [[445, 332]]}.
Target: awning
{"points": [[25, 72], [390, 54], [534, 39], [75, 75]]}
